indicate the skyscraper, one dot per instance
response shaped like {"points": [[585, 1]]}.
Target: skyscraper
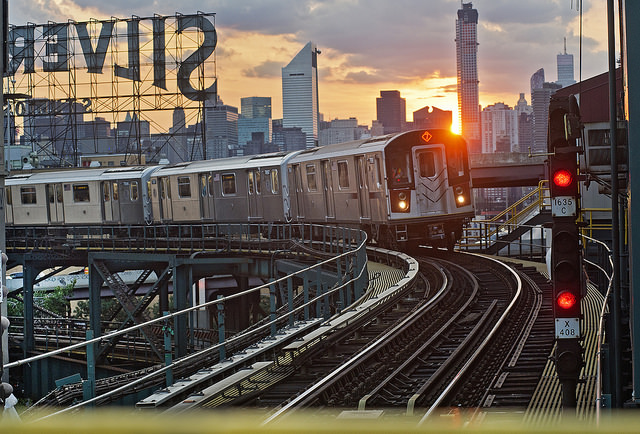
{"points": [[541, 92], [391, 111], [565, 67], [467, 67], [255, 118], [300, 93]]}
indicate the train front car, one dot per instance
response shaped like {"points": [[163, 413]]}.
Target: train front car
{"points": [[429, 188]]}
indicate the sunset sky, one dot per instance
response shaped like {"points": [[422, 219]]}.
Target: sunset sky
{"points": [[372, 45]]}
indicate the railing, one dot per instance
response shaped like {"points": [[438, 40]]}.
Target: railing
{"points": [[345, 253], [494, 234]]}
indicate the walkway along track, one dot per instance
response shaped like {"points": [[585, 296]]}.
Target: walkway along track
{"points": [[425, 349]]}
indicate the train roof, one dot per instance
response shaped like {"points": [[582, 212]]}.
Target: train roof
{"points": [[231, 163], [79, 174], [363, 145]]}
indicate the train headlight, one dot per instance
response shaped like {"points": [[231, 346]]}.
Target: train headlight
{"points": [[400, 201], [461, 194]]}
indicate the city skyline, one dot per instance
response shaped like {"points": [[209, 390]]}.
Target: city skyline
{"points": [[369, 47]]}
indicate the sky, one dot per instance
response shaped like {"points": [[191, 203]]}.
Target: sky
{"points": [[369, 46]]}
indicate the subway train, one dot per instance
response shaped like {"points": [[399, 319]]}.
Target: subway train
{"points": [[405, 188]]}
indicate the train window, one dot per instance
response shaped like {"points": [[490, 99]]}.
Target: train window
{"points": [[378, 172], [184, 186], [28, 195], [115, 191], [51, 193], [400, 169], [106, 196], [81, 193], [8, 195], [210, 182], [275, 181], [133, 190], [251, 182], [311, 177], [228, 184], [203, 185], [343, 175], [427, 164], [258, 182]]}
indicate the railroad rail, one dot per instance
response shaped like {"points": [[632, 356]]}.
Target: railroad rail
{"points": [[417, 353]]}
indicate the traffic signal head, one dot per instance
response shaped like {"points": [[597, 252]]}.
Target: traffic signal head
{"points": [[564, 123], [566, 270], [563, 169]]}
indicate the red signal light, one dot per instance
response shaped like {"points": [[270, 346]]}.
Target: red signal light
{"points": [[562, 178], [566, 300]]}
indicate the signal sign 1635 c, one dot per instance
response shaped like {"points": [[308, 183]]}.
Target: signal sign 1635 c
{"points": [[563, 206]]}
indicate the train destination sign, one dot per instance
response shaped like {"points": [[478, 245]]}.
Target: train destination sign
{"points": [[159, 47]]}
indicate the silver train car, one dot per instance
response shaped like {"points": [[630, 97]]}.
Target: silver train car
{"points": [[406, 188], [107, 196], [402, 189]]}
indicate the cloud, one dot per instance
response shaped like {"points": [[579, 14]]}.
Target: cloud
{"points": [[269, 69]]}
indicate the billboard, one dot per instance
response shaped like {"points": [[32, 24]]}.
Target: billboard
{"points": [[132, 73]]}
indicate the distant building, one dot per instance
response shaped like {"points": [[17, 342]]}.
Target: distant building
{"points": [[499, 128], [222, 130], [467, 72], [391, 110], [300, 93], [434, 118], [255, 117], [524, 114], [565, 68], [176, 149], [289, 139], [541, 92], [131, 133], [342, 130], [254, 107]]}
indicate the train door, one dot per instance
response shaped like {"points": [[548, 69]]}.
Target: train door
{"points": [[254, 189], [110, 202], [363, 187], [164, 197], [327, 185], [431, 185], [206, 196], [296, 188], [55, 206]]}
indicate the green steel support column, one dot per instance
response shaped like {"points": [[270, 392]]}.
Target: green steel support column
{"points": [[305, 286], [168, 334], [89, 385], [95, 306], [28, 277], [272, 309], [318, 292], [631, 59], [221, 332], [290, 300], [181, 286]]}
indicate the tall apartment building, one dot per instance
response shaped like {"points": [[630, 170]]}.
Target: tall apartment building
{"points": [[499, 128], [467, 76], [391, 111], [300, 93]]}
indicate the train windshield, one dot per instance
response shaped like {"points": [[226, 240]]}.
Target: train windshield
{"points": [[400, 170]]}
